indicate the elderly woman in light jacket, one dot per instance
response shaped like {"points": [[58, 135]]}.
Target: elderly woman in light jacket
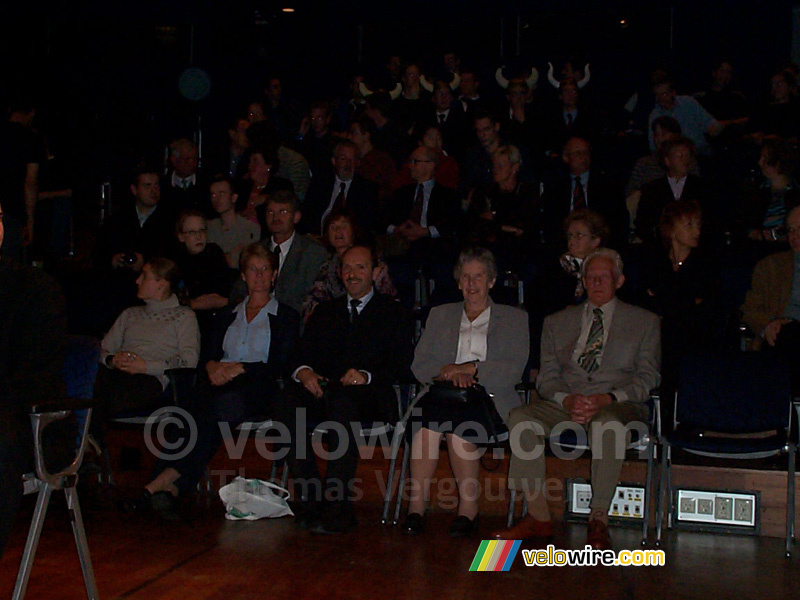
{"points": [[474, 341]]}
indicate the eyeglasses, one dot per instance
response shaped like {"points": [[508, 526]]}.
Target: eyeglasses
{"points": [[280, 211], [578, 236], [202, 231], [415, 161]]}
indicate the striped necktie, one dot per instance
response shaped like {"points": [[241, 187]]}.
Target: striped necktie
{"points": [[594, 344]]}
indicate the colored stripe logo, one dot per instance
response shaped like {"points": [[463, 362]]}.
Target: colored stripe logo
{"points": [[495, 555]]}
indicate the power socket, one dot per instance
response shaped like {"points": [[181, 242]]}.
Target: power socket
{"points": [[705, 506], [717, 508], [743, 510], [723, 508], [628, 500]]}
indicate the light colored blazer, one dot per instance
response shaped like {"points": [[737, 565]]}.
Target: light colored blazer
{"points": [[631, 358], [507, 347]]}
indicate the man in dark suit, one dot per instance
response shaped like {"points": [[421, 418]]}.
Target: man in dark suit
{"points": [[140, 230], [568, 118], [678, 184], [182, 189], [583, 188], [352, 350], [449, 116], [599, 362], [341, 190], [422, 222]]}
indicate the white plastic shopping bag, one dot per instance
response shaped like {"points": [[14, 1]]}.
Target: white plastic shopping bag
{"points": [[251, 499]]}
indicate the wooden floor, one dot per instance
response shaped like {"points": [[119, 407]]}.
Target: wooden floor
{"points": [[203, 556]]}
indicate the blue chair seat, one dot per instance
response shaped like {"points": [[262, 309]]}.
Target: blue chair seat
{"points": [[694, 441]]}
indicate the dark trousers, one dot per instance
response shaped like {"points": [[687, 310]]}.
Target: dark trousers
{"points": [[12, 466], [117, 392], [787, 348], [343, 406], [242, 399]]}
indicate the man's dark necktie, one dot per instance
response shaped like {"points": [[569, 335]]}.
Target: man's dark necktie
{"points": [[570, 121], [276, 252], [416, 209], [579, 195], [594, 344], [354, 309], [442, 118], [338, 204]]}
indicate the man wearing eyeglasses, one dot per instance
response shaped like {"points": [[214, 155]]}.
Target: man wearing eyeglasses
{"points": [[772, 307], [299, 257], [422, 222], [339, 190]]}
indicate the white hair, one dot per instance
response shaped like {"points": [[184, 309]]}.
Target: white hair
{"points": [[613, 255]]}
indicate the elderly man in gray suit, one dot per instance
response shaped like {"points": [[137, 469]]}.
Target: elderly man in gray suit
{"points": [[599, 362]]}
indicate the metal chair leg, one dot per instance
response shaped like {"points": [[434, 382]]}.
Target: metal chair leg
{"points": [[389, 492], [401, 482], [662, 490], [648, 489], [35, 531], [511, 502], [80, 541], [790, 483]]}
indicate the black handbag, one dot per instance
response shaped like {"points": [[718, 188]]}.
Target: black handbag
{"points": [[444, 392]]}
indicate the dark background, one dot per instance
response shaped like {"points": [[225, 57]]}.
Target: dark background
{"points": [[104, 74]]}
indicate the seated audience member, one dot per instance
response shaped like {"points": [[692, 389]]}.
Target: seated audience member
{"points": [[651, 167], [694, 120], [583, 187], [351, 109], [520, 121], [352, 350], [581, 384], [410, 107], [140, 230], [677, 184], [504, 216], [388, 137], [33, 328], [772, 307], [447, 172], [204, 271], [374, 165], [448, 115], [341, 189], [469, 92], [728, 105], [560, 281], [570, 117], [299, 257], [464, 343], [231, 231], [262, 183], [131, 236], [763, 214], [143, 343], [423, 219], [243, 357], [682, 281], [314, 140], [476, 168], [340, 233], [291, 165], [182, 190], [779, 117]]}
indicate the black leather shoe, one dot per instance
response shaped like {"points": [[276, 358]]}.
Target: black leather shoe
{"points": [[307, 515], [463, 527], [414, 524]]}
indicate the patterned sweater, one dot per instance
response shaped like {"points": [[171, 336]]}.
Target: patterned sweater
{"points": [[163, 333]]}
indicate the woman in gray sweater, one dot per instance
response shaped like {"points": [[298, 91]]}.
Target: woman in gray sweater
{"points": [[143, 343]]}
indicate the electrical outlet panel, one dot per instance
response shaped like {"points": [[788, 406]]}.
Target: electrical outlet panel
{"points": [[628, 502], [716, 508]]}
